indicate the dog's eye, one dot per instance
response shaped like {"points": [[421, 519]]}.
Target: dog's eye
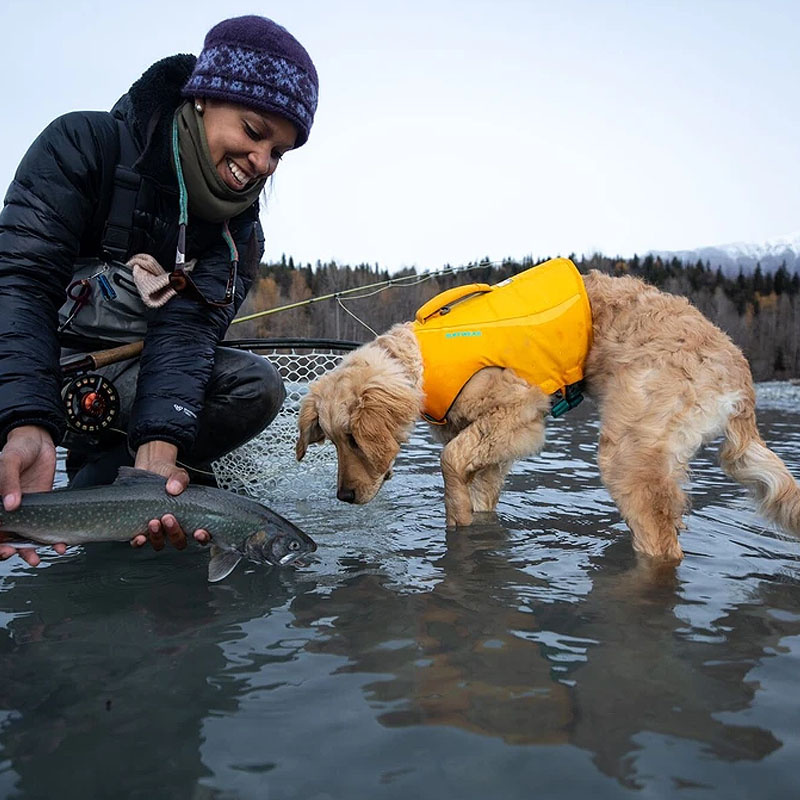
{"points": [[351, 440]]}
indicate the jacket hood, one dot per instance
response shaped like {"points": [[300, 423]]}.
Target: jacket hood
{"points": [[148, 107]]}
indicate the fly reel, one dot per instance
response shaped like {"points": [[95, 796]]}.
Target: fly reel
{"points": [[91, 402]]}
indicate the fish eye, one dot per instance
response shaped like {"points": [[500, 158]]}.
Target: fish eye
{"points": [[294, 545]]}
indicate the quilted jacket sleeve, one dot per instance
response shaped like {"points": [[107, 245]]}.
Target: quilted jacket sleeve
{"points": [[181, 336], [48, 210]]}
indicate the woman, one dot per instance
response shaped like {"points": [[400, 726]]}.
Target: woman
{"points": [[203, 136]]}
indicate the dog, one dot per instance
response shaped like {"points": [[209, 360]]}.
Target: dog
{"points": [[665, 380]]}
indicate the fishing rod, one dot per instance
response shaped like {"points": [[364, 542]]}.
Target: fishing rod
{"points": [[91, 400], [389, 283]]}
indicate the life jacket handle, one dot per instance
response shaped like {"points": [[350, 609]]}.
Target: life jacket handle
{"points": [[442, 302]]}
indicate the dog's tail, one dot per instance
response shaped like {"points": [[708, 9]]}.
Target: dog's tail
{"points": [[746, 458]]}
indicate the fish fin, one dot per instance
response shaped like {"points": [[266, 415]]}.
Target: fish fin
{"points": [[131, 475], [222, 563]]}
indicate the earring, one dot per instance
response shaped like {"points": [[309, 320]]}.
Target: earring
{"points": [[198, 108]]}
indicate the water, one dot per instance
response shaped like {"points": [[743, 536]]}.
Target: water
{"points": [[527, 656]]}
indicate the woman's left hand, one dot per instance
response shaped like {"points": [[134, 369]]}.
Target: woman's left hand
{"points": [[160, 457]]}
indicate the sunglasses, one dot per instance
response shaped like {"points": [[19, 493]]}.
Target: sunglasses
{"points": [[182, 282]]}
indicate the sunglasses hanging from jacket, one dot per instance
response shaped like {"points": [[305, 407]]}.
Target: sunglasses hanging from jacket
{"points": [[180, 280]]}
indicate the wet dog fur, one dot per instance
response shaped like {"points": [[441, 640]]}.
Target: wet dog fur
{"points": [[665, 380]]}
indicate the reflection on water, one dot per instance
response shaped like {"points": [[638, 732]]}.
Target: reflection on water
{"points": [[528, 654]]}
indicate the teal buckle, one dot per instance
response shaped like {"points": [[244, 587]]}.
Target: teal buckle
{"points": [[571, 397]]}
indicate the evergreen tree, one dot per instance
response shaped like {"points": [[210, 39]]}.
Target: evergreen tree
{"points": [[782, 279], [758, 279]]}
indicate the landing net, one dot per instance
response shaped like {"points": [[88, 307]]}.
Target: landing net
{"points": [[267, 464]]}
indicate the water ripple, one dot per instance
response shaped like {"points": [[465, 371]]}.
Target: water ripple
{"points": [[531, 649]]}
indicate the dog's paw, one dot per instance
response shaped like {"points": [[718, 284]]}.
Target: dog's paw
{"points": [[462, 521]]}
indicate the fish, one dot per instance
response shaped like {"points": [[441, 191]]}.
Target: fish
{"points": [[240, 527]]}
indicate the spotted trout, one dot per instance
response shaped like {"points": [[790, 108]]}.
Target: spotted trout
{"points": [[239, 526]]}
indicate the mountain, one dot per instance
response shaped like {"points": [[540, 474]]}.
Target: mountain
{"points": [[742, 255]]}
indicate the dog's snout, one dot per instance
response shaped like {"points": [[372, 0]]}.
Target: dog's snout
{"points": [[346, 495]]}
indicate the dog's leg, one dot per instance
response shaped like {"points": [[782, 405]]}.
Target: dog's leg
{"points": [[485, 486], [645, 484], [487, 443], [457, 504]]}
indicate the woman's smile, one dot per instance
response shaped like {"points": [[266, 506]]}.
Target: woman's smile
{"points": [[239, 176], [245, 145]]}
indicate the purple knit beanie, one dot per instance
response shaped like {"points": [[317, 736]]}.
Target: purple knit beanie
{"points": [[255, 62]]}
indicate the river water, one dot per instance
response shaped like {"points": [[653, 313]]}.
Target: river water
{"points": [[528, 656]]}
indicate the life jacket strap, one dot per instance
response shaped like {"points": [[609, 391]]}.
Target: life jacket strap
{"points": [[566, 399]]}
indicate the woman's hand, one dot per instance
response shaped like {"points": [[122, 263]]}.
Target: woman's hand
{"points": [[27, 464], [160, 457]]}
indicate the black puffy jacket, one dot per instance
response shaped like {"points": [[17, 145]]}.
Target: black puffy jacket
{"points": [[55, 211]]}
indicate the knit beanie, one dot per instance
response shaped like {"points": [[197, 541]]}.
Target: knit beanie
{"points": [[255, 62]]}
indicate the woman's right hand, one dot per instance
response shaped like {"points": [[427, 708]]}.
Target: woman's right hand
{"points": [[160, 457], [27, 464]]}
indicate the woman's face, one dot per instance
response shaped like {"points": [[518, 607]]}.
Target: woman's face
{"points": [[245, 145]]}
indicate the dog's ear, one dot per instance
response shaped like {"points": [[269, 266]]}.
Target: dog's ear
{"points": [[308, 423], [382, 421]]}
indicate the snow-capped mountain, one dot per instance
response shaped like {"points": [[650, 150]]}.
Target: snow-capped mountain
{"points": [[731, 257]]}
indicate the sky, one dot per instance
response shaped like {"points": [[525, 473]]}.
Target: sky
{"points": [[453, 130]]}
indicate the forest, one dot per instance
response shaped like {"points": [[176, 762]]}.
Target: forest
{"points": [[758, 310]]}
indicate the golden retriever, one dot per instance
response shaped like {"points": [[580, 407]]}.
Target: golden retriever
{"points": [[665, 380]]}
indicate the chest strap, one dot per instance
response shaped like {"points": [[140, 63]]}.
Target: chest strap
{"points": [[116, 239]]}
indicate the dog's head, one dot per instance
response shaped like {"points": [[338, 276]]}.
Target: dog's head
{"points": [[366, 407]]}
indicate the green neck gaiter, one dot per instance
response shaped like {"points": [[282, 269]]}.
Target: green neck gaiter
{"points": [[210, 198]]}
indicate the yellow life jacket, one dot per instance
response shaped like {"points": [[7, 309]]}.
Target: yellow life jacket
{"points": [[538, 323]]}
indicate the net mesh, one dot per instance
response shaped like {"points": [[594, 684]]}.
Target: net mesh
{"points": [[267, 463]]}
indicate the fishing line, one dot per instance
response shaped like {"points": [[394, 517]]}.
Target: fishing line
{"points": [[355, 316]]}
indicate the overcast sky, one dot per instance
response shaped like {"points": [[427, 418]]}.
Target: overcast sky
{"points": [[450, 130]]}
